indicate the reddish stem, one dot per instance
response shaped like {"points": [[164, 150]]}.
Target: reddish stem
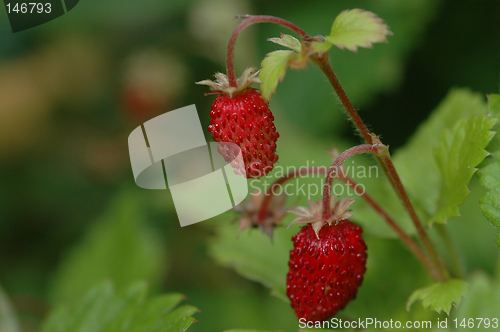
{"points": [[324, 65], [365, 148], [385, 161], [393, 176], [414, 248], [249, 20]]}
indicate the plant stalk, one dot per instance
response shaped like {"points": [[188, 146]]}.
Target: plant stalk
{"points": [[327, 188], [407, 240], [385, 161], [373, 144], [249, 20], [412, 245], [324, 65], [393, 176]]}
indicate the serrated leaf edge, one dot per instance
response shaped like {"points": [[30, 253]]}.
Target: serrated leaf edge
{"points": [[287, 41], [420, 293], [384, 30]]}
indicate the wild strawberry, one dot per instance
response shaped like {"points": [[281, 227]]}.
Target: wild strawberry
{"points": [[241, 116], [326, 264]]}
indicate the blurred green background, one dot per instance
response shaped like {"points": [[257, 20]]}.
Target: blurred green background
{"points": [[71, 91]]}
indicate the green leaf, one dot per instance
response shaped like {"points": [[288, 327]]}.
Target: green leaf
{"points": [[459, 152], [494, 111], [254, 256], [8, 320], [274, 65], [489, 173], [364, 77], [490, 206], [288, 41], [115, 246], [158, 319], [417, 157], [440, 296], [357, 28], [103, 310], [273, 69], [494, 105]]}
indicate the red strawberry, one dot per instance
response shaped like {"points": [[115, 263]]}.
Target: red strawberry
{"points": [[325, 274], [326, 265], [241, 116], [245, 119]]}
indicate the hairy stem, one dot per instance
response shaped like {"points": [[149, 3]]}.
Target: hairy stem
{"points": [[249, 20], [393, 176], [382, 155], [414, 248], [407, 240], [327, 188], [324, 65], [385, 161]]}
